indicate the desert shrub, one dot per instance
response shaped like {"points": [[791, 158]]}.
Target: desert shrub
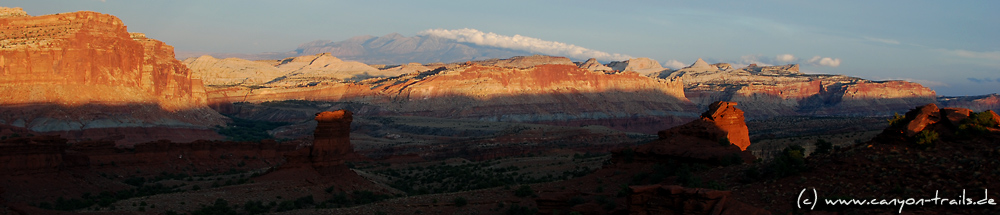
{"points": [[976, 124], [460, 201], [520, 210], [576, 200], [896, 120], [724, 141], [248, 130], [732, 159], [624, 190], [926, 137], [628, 155], [220, 206], [823, 147], [790, 161], [981, 119], [524, 191], [256, 207]]}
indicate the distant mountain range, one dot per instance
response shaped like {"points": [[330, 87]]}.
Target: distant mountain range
{"points": [[391, 49]]}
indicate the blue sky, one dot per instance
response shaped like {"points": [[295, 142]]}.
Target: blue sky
{"points": [[950, 46]]}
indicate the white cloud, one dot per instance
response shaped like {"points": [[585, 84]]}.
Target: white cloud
{"points": [[993, 55], [785, 58], [881, 40], [825, 61], [518, 42], [674, 64], [755, 59]]}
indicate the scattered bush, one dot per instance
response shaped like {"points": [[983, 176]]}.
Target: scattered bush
{"points": [[790, 161], [896, 120], [521, 210], [221, 206], [823, 146], [926, 137], [524, 191], [460, 201]]}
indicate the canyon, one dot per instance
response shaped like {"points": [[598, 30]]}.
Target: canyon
{"points": [[95, 119]]}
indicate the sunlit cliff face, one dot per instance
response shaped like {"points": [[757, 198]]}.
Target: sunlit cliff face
{"points": [[79, 58]]}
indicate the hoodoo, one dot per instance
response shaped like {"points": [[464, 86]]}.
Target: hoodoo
{"points": [[332, 138]]}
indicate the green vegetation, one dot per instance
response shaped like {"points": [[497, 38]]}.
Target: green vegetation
{"points": [[248, 130], [823, 147], [976, 124], [926, 138], [460, 201], [896, 120], [789, 162], [220, 206], [442, 178], [356, 198], [524, 191], [520, 210]]}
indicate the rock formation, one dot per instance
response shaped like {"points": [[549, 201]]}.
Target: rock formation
{"points": [[294, 71], [593, 65], [232, 71], [524, 62], [6, 12], [396, 49], [406, 69], [784, 90], [643, 66], [944, 121], [557, 94], [976, 103], [332, 141], [720, 133], [88, 61], [701, 65], [672, 199]]}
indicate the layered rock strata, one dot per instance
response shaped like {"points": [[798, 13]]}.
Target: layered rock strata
{"points": [[784, 90], [551, 94], [86, 66]]}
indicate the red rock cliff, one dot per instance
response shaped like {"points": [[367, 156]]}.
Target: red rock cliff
{"points": [[88, 58]]}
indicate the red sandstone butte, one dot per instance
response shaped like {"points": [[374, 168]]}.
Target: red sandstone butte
{"points": [[332, 138], [722, 119], [702, 139]]}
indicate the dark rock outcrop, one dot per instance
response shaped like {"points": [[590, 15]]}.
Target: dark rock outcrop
{"points": [[672, 199]]}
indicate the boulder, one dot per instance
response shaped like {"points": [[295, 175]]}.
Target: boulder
{"points": [[920, 118], [955, 115]]}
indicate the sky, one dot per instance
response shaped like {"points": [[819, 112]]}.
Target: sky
{"points": [[950, 46]]}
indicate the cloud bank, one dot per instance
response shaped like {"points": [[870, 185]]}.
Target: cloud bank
{"points": [[518, 42], [786, 58], [674, 64], [825, 61]]}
